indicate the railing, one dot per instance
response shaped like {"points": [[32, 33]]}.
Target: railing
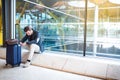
{"points": [[108, 47]]}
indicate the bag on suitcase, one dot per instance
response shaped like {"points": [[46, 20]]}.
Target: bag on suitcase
{"points": [[12, 41], [13, 52]]}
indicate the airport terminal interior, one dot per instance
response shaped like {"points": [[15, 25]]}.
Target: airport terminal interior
{"points": [[81, 39]]}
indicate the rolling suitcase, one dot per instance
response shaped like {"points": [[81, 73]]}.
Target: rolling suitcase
{"points": [[13, 53]]}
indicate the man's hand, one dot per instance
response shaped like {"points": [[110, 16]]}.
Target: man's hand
{"points": [[22, 44]]}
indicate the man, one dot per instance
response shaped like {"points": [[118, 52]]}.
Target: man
{"points": [[32, 41]]}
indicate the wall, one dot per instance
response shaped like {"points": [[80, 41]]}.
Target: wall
{"points": [[90, 66], [1, 34]]}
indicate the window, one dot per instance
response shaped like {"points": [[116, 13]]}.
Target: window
{"points": [[62, 25]]}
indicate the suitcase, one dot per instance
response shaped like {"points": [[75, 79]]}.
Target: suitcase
{"points": [[13, 55]]}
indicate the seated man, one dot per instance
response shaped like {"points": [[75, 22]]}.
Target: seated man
{"points": [[32, 41]]}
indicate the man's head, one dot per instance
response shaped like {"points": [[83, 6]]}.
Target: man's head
{"points": [[28, 30]]}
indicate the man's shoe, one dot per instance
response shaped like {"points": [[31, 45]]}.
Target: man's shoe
{"points": [[27, 64], [38, 52]]}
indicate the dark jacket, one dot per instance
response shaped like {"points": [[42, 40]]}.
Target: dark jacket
{"points": [[35, 38]]}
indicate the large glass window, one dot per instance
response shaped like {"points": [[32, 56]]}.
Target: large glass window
{"points": [[104, 29], [62, 25]]}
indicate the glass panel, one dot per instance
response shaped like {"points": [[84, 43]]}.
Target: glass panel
{"points": [[61, 23], [103, 29]]}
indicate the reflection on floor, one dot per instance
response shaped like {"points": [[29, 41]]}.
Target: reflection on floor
{"points": [[36, 73]]}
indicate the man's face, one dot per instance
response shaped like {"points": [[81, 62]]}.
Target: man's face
{"points": [[29, 32]]}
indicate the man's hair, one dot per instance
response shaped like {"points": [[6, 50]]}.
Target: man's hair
{"points": [[27, 28]]}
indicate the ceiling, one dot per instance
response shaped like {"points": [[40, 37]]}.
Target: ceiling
{"points": [[104, 12], [103, 6]]}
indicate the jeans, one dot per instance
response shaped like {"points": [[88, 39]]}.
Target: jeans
{"points": [[32, 48]]}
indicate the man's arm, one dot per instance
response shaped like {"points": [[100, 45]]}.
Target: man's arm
{"points": [[24, 39], [22, 42], [36, 39]]}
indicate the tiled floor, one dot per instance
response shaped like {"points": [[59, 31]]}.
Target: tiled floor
{"points": [[36, 73]]}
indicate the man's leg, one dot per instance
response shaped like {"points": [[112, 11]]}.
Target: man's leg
{"points": [[32, 48]]}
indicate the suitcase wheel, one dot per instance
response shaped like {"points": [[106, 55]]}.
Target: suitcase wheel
{"points": [[18, 64]]}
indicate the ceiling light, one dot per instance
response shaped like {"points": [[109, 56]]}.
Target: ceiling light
{"points": [[115, 1], [80, 4]]}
